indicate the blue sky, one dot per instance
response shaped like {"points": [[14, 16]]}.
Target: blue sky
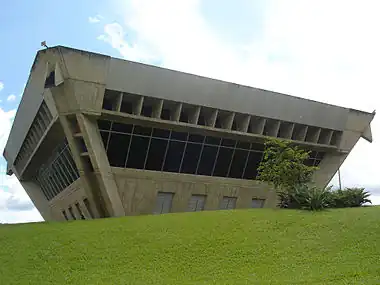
{"points": [[311, 49]]}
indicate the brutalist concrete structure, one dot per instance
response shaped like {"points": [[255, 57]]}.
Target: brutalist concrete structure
{"points": [[96, 136]]}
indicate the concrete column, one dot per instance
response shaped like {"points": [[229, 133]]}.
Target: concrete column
{"points": [[101, 165]]}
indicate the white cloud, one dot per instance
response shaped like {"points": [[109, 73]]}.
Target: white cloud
{"points": [[15, 204], [1, 85], [11, 97], [95, 19]]}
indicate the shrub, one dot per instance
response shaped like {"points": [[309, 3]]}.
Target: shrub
{"points": [[305, 197], [349, 197]]}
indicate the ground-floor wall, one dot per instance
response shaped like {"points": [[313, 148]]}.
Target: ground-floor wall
{"points": [[73, 204], [139, 190]]}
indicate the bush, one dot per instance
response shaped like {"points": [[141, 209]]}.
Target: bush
{"points": [[308, 197], [305, 197], [349, 197]]}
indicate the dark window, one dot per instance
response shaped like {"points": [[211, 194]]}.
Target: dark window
{"points": [[118, 149], [156, 154], [309, 162], [207, 160], [174, 156], [140, 130], [196, 138], [108, 103], [88, 207], [253, 163], [64, 215], [122, 128], [80, 211], [137, 153], [72, 213], [146, 111], [201, 120], [104, 125], [243, 145], [228, 142], [257, 146], [165, 114], [126, 107], [320, 155], [238, 163], [104, 136], [50, 80], [191, 157], [178, 136], [184, 117], [161, 133], [223, 162], [212, 140]]}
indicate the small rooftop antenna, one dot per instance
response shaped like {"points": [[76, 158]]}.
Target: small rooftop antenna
{"points": [[43, 44]]}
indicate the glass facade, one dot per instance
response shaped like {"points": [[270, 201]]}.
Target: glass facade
{"points": [[58, 172], [138, 147]]}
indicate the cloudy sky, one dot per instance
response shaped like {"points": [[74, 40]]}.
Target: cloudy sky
{"points": [[322, 50]]}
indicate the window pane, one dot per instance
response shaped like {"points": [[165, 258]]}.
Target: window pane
{"points": [[244, 145], [191, 157], [228, 142], [196, 138], [122, 128], [207, 160], [254, 160], [174, 156], [156, 154], [178, 136], [223, 161], [238, 163], [104, 136], [212, 140], [257, 146], [160, 133], [117, 149], [140, 130], [104, 125], [137, 153]]}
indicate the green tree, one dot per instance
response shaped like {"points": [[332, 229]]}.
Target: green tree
{"points": [[283, 165]]}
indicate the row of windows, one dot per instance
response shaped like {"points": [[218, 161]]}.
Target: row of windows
{"points": [[83, 211], [197, 203], [58, 172], [37, 129], [138, 147], [222, 119]]}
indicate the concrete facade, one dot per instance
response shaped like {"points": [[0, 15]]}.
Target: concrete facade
{"points": [[96, 136]]}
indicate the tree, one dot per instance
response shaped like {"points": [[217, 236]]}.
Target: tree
{"points": [[283, 165]]}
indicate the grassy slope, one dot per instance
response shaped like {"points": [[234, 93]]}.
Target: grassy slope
{"points": [[222, 247]]}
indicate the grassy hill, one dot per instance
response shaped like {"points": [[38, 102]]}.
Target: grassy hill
{"points": [[223, 247]]}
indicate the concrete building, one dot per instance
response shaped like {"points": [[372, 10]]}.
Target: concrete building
{"points": [[96, 136]]}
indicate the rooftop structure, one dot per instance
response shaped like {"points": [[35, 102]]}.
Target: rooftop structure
{"points": [[95, 136]]}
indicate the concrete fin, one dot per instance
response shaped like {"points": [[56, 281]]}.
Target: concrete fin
{"points": [[367, 134], [58, 76]]}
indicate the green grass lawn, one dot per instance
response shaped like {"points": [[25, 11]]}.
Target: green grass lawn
{"points": [[222, 247]]}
